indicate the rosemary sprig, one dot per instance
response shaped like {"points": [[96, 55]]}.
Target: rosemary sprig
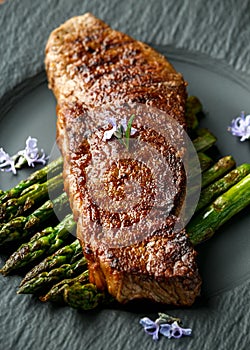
{"points": [[123, 132]]}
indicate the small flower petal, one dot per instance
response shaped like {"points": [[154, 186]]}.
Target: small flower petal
{"points": [[150, 327], [124, 124], [178, 332], [112, 121], [165, 329], [108, 134], [186, 331], [155, 334], [31, 143], [146, 322], [42, 159], [240, 127], [6, 161], [3, 155], [10, 163], [133, 131]]}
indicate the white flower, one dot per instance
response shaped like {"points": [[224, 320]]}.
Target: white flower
{"points": [[6, 161], [109, 133], [29, 155], [240, 127], [31, 152], [118, 131]]}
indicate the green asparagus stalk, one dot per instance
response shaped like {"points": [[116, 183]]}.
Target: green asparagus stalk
{"points": [[220, 186], [85, 296], [65, 255], [48, 241], [193, 110], [205, 161], [204, 140], [45, 279], [22, 227], [203, 226], [56, 293], [73, 292], [38, 177], [78, 293], [30, 200], [219, 169]]}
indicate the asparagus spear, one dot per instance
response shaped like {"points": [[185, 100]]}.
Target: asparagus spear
{"points": [[67, 254], [47, 242], [193, 110], [22, 227], [222, 185], [85, 296], [223, 166], [30, 199], [77, 293], [205, 161], [46, 279], [56, 293], [38, 177], [204, 140], [203, 226]]}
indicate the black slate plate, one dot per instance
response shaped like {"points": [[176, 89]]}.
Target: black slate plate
{"points": [[224, 93]]}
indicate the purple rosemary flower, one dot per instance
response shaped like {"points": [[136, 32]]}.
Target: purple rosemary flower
{"points": [[128, 125], [5, 161], [30, 155], [240, 127], [169, 329], [121, 132], [150, 327], [178, 332], [109, 133], [165, 329]]}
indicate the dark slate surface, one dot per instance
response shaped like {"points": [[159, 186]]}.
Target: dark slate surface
{"points": [[217, 28]]}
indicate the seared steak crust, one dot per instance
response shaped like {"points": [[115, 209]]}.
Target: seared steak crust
{"points": [[89, 65]]}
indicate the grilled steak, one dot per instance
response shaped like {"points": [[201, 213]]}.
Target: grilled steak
{"points": [[89, 66]]}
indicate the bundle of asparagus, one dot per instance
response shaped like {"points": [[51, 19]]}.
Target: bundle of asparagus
{"points": [[38, 177], [60, 270], [21, 227], [29, 199]]}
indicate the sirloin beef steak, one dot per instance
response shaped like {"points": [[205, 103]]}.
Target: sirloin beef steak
{"points": [[89, 65]]}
